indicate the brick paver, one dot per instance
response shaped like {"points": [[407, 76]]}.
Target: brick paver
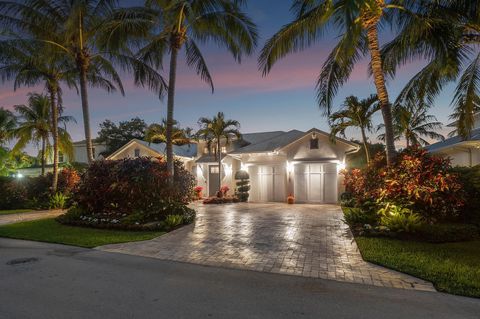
{"points": [[302, 240]]}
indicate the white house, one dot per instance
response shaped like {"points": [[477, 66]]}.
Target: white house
{"points": [[462, 152], [304, 164]]}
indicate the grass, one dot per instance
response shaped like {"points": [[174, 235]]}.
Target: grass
{"points": [[451, 267], [14, 211], [48, 230]]}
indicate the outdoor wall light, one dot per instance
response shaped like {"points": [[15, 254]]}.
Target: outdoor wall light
{"points": [[227, 169], [290, 167], [341, 166]]}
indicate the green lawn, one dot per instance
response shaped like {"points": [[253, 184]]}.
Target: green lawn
{"points": [[14, 211], [451, 267], [48, 230]]}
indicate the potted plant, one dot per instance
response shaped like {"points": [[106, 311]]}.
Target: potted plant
{"points": [[290, 199], [198, 190]]}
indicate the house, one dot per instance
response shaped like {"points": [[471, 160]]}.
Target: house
{"points": [[304, 164], [462, 152]]}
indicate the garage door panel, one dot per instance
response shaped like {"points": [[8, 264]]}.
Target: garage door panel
{"points": [[330, 187], [271, 185], [316, 182], [315, 189]]}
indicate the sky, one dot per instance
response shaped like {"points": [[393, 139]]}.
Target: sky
{"points": [[283, 100]]}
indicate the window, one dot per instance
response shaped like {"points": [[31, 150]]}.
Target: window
{"points": [[137, 152], [214, 170], [224, 149], [205, 150], [61, 158], [314, 144]]}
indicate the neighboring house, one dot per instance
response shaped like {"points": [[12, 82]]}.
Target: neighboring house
{"points": [[462, 152], [80, 151]]}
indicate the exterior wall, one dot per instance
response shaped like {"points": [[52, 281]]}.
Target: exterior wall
{"points": [[80, 152], [463, 156], [129, 152]]}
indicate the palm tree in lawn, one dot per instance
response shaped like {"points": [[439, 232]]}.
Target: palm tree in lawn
{"points": [[157, 133], [35, 126], [213, 131], [447, 37], [412, 123], [94, 35], [8, 123], [30, 63], [359, 22], [186, 24], [355, 113]]}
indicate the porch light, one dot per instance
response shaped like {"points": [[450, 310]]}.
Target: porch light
{"points": [[199, 171]]}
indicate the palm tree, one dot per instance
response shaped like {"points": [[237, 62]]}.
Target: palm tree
{"points": [[359, 22], [157, 133], [187, 23], [412, 122], [448, 37], [8, 123], [213, 131], [355, 113], [93, 35], [35, 126]]}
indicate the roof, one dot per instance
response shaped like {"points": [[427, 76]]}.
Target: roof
{"points": [[272, 141], [208, 158], [94, 141], [452, 141], [188, 150]]}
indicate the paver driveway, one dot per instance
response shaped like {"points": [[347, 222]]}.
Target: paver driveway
{"points": [[303, 240]]}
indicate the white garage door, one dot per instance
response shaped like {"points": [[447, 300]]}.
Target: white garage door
{"points": [[271, 183], [316, 183]]}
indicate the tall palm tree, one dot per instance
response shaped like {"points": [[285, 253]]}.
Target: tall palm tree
{"points": [[35, 126], [355, 114], [359, 22], [8, 123], [213, 131], [187, 23], [29, 63], [92, 34], [412, 122], [447, 36], [157, 133]]}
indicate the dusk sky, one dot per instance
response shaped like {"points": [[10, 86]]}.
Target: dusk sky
{"points": [[283, 100]]}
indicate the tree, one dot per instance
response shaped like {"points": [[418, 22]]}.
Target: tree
{"points": [[30, 63], [412, 122], [355, 114], [8, 123], [91, 34], [186, 24], [157, 133], [447, 36], [213, 131], [359, 159], [115, 136], [35, 126], [359, 22]]}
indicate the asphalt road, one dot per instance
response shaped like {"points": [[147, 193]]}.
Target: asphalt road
{"points": [[54, 281]]}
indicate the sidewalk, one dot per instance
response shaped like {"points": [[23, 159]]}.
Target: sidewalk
{"points": [[33, 215]]}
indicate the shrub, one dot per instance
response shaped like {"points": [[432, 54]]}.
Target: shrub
{"points": [[442, 233], [13, 194], [470, 179], [347, 200], [358, 216], [417, 180], [172, 221], [243, 186], [132, 185], [58, 201], [399, 219]]}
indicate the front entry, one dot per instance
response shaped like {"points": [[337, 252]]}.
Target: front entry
{"points": [[213, 184]]}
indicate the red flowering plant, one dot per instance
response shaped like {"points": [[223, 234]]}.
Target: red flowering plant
{"points": [[417, 180], [224, 189]]}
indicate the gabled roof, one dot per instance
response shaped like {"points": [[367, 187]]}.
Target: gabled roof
{"points": [[454, 141], [189, 150]]}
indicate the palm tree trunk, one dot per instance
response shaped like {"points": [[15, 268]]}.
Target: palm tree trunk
{"points": [[379, 80], [219, 151], [86, 112], [170, 106], [53, 102], [365, 145], [43, 156]]}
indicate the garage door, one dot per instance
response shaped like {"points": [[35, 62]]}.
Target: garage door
{"points": [[271, 183], [316, 183]]}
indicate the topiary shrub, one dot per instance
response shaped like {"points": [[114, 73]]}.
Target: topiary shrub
{"points": [[243, 185]]}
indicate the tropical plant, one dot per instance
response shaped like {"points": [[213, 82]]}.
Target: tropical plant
{"points": [[412, 122], [186, 24], [216, 129], [359, 22], [58, 201], [357, 114], [8, 123], [35, 126], [157, 133], [399, 219], [447, 36], [92, 35]]}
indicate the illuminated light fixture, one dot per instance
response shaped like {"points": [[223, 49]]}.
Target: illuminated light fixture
{"points": [[19, 175], [314, 135], [199, 170], [290, 167], [227, 169], [244, 167], [341, 166]]}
